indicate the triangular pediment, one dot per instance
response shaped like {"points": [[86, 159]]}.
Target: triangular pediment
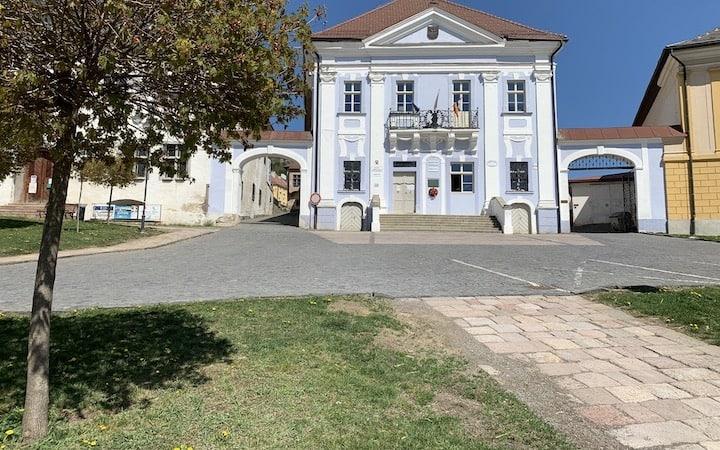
{"points": [[433, 27]]}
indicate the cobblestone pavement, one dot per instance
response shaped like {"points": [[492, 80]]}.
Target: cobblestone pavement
{"points": [[260, 260], [644, 384]]}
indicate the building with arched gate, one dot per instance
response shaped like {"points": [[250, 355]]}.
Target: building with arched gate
{"points": [[612, 179]]}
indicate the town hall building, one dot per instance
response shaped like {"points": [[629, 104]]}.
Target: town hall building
{"points": [[430, 115]]}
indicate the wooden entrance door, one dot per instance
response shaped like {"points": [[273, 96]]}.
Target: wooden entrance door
{"points": [[38, 179], [404, 193]]}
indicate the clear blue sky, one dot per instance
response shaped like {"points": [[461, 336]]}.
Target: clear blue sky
{"points": [[613, 49]]}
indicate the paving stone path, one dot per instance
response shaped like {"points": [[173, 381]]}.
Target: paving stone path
{"points": [[647, 385]]}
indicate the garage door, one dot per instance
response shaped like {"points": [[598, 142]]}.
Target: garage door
{"points": [[351, 216]]}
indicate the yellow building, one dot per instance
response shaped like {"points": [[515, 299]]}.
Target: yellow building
{"points": [[280, 190], [685, 93]]}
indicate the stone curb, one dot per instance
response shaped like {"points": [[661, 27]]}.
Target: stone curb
{"points": [[162, 240]]}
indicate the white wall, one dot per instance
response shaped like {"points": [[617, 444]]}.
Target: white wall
{"points": [[256, 172], [182, 201], [7, 190], [597, 202]]}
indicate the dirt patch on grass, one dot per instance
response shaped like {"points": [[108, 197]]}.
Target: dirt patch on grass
{"points": [[352, 308], [417, 337], [469, 412]]}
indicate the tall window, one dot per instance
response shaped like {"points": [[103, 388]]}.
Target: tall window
{"points": [[352, 175], [405, 96], [141, 163], [461, 95], [462, 177], [516, 96], [353, 96], [252, 198], [519, 177], [296, 180], [174, 158]]}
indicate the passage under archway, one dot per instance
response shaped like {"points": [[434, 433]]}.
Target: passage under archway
{"points": [[603, 194]]}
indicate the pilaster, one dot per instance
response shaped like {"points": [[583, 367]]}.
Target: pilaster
{"points": [[546, 143], [328, 102], [377, 137], [491, 116]]}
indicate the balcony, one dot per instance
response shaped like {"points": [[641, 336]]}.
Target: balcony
{"points": [[433, 130], [433, 119]]}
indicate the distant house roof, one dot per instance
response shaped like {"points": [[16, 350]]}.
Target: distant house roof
{"points": [[292, 165], [596, 178], [279, 181], [385, 16], [712, 37], [625, 133]]}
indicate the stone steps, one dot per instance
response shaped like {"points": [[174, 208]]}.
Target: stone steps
{"points": [[417, 222], [29, 210]]}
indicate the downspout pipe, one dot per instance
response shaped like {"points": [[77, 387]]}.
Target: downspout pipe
{"points": [[688, 146], [556, 132], [316, 135]]}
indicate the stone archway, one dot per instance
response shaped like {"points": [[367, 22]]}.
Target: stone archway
{"points": [[299, 155], [599, 191]]}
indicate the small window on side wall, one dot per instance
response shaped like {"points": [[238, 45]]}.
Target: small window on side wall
{"points": [[516, 96], [519, 177]]}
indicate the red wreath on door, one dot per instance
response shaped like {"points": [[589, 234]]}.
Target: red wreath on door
{"points": [[433, 192]]}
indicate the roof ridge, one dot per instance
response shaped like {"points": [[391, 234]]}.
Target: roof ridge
{"points": [[460, 5]]}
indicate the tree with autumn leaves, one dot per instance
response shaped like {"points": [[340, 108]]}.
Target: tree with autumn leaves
{"points": [[90, 80]]}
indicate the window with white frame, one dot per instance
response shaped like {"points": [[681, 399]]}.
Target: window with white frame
{"points": [[516, 96], [405, 96], [462, 177], [519, 177], [352, 175], [461, 95], [141, 164], [353, 96], [296, 180], [175, 160]]}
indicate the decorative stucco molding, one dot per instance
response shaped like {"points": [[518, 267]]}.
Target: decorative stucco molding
{"points": [[376, 78], [490, 77], [543, 76], [327, 75]]}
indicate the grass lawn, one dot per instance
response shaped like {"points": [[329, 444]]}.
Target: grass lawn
{"points": [[287, 373], [22, 236], [696, 311]]}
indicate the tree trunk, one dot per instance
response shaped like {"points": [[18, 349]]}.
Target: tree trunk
{"points": [[109, 205], [35, 418]]}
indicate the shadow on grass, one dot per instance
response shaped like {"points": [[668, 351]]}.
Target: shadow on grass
{"points": [[8, 224], [101, 358], [643, 289]]}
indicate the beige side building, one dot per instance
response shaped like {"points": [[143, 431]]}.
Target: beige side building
{"points": [[685, 93]]}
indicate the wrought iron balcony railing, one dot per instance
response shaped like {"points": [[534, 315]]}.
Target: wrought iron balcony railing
{"points": [[433, 119]]}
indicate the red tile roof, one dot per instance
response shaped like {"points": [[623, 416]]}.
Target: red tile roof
{"points": [[609, 134], [279, 181], [390, 14], [285, 136]]}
